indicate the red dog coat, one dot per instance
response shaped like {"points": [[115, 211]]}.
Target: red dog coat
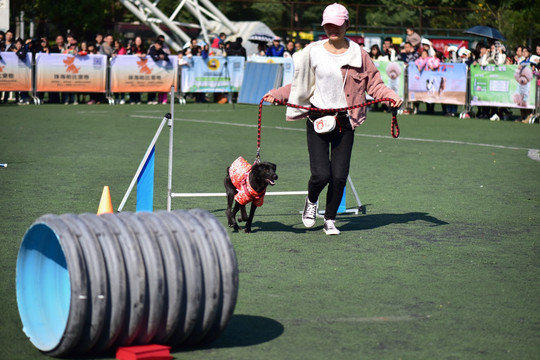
{"points": [[239, 174]]}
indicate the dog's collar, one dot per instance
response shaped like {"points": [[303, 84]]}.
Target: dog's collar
{"points": [[248, 189]]}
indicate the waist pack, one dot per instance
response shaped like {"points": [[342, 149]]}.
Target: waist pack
{"points": [[325, 124]]}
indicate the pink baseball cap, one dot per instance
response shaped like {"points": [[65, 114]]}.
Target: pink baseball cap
{"points": [[335, 14]]}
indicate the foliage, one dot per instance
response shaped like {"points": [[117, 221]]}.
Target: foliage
{"points": [[517, 19]]}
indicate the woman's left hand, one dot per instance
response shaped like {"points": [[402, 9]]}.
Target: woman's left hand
{"points": [[397, 103]]}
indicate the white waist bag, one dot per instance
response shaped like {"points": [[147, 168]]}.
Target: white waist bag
{"points": [[326, 124]]}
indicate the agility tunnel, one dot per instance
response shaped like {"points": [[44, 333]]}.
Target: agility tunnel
{"points": [[89, 284]]}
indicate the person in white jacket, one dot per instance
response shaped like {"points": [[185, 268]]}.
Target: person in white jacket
{"points": [[330, 74]]}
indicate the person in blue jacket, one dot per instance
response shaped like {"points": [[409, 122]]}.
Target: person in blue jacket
{"points": [[276, 49]]}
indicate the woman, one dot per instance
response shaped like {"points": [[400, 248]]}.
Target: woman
{"points": [[119, 49], [289, 49], [422, 62], [375, 52], [332, 73]]}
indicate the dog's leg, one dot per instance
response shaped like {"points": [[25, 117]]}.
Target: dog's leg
{"points": [[229, 212], [250, 219], [230, 191], [243, 214], [237, 207]]}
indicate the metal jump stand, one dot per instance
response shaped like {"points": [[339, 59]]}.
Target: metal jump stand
{"points": [[169, 120]]}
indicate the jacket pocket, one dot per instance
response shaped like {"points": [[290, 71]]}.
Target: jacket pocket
{"points": [[358, 76]]}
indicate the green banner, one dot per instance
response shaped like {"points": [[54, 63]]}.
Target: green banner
{"points": [[503, 86]]}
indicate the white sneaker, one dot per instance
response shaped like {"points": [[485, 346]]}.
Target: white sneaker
{"points": [[330, 227], [309, 214], [495, 117]]}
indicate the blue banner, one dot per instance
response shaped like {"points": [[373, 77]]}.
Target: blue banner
{"points": [[214, 74], [145, 185], [288, 66]]}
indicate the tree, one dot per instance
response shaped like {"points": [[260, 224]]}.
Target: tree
{"points": [[516, 19]]}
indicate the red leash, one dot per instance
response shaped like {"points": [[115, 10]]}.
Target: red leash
{"points": [[394, 129]]}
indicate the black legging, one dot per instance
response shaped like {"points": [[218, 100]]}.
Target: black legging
{"points": [[329, 159]]}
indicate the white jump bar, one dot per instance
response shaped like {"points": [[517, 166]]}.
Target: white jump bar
{"points": [[179, 195]]}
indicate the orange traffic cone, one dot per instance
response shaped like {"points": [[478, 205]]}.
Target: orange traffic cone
{"points": [[105, 204]]}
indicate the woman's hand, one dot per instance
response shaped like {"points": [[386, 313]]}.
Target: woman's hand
{"points": [[397, 103], [269, 98]]}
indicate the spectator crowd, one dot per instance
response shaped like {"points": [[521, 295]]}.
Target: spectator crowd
{"points": [[414, 49], [421, 51]]}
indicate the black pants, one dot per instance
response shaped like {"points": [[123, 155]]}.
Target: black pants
{"points": [[329, 159]]}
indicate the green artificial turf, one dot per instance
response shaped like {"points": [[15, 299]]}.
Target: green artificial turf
{"points": [[445, 264]]}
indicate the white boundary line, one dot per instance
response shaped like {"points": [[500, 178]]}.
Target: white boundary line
{"points": [[533, 154]]}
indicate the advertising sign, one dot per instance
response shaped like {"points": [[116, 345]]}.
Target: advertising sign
{"points": [[503, 86], [70, 73], [130, 73], [15, 74], [393, 75], [445, 85], [214, 74]]}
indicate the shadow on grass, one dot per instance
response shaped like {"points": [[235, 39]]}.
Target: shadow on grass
{"points": [[244, 330], [366, 222], [352, 222]]}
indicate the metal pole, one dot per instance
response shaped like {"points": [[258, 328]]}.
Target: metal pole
{"points": [[215, 12], [537, 100], [171, 133], [108, 94], [354, 192], [222, 194], [35, 96], [468, 107], [144, 18], [407, 104], [22, 26], [171, 25]]}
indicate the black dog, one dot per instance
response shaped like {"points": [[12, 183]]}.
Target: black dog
{"points": [[245, 183]]}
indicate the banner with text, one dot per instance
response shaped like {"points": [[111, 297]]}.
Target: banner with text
{"points": [[393, 75], [215, 74], [69, 73], [505, 85], [15, 74], [130, 73], [445, 85]]}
